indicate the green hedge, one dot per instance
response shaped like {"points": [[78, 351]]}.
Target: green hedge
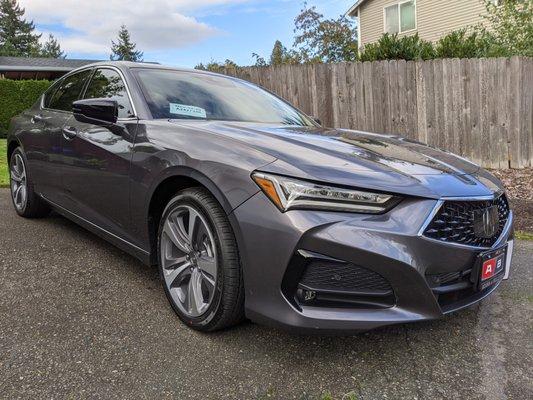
{"points": [[16, 96]]}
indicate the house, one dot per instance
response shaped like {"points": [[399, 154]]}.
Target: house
{"points": [[431, 19], [37, 68]]}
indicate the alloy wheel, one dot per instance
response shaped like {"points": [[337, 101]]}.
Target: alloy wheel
{"points": [[189, 260], [19, 189]]}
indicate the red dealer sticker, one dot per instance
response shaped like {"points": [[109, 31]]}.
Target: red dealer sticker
{"points": [[492, 267], [489, 268]]}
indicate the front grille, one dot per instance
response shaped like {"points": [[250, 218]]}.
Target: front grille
{"points": [[454, 222], [331, 276]]}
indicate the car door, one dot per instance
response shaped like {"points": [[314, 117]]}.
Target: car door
{"points": [[96, 158], [43, 148]]}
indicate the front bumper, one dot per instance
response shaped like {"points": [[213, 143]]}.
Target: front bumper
{"points": [[389, 244]]}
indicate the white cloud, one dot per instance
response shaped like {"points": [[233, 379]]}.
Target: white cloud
{"points": [[154, 24]]}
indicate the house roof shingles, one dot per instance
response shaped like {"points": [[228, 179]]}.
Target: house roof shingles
{"points": [[40, 64]]}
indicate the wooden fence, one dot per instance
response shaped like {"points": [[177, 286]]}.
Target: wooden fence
{"points": [[481, 109]]}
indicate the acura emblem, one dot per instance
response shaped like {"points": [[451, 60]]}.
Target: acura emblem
{"points": [[486, 222]]}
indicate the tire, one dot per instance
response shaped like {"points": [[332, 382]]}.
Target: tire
{"points": [[26, 202], [203, 282]]}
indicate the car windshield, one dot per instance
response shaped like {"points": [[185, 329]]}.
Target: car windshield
{"points": [[199, 96]]}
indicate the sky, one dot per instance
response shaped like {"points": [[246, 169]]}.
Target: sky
{"points": [[174, 32]]}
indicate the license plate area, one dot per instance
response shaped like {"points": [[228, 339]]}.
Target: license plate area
{"points": [[491, 267]]}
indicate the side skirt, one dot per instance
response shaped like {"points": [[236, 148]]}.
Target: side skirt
{"points": [[122, 244]]}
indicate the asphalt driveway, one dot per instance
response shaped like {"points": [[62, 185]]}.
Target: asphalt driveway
{"points": [[81, 319]]}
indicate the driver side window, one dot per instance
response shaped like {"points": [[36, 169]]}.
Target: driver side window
{"points": [[69, 91], [107, 84]]}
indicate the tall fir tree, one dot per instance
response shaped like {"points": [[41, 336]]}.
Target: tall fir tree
{"points": [[51, 48], [17, 36], [124, 48], [280, 55]]}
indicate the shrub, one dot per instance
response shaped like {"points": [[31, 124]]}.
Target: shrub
{"points": [[475, 44], [393, 47], [16, 96]]}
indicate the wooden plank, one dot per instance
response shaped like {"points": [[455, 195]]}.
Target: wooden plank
{"points": [[293, 89], [447, 105], [484, 117], [422, 101], [466, 130], [513, 100], [475, 110], [378, 104], [455, 106], [391, 83], [429, 106], [406, 100], [325, 112], [360, 97], [492, 117], [350, 91], [411, 102], [439, 139], [526, 110], [311, 71], [502, 112], [343, 96], [368, 95], [384, 82]]}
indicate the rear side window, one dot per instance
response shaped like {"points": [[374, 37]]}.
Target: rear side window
{"points": [[69, 91], [107, 84]]}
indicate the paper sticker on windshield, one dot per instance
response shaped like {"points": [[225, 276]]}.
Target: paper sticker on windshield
{"points": [[189, 111]]}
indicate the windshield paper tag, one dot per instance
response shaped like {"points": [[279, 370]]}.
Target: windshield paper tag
{"points": [[189, 111]]}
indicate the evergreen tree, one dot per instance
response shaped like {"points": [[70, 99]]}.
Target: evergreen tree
{"points": [[280, 55], [124, 49], [17, 37], [51, 48]]}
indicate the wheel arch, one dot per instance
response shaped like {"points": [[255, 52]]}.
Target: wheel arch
{"points": [[166, 187], [11, 146]]}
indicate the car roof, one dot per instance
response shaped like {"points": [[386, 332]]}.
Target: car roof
{"points": [[145, 65]]}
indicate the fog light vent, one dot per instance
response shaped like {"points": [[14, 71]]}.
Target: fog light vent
{"points": [[323, 275], [305, 295]]}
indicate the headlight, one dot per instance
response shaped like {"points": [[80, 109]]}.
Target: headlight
{"points": [[289, 193]]}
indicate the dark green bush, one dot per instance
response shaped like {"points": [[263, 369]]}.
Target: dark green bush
{"points": [[462, 44], [393, 47], [16, 96]]}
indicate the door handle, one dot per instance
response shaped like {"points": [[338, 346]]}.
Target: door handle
{"points": [[37, 118], [69, 132]]}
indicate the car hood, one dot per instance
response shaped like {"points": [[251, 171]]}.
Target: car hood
{"points": [[359, 159]]}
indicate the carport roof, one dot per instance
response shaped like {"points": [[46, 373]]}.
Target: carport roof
{"points": [[21, 64]]}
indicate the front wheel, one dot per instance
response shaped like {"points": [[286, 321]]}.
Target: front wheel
{"points": [[26, 202], [199, 262]]}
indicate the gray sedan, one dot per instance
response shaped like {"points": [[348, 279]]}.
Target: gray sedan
{"points": [[250, 208]]}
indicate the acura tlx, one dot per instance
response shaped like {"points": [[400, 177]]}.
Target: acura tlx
{"points": [[250, 208]]}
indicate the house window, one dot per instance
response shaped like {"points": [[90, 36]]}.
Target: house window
{"points": [[400, 17]]}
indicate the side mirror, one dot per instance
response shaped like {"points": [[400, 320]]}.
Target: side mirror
{"points": [[96, 111], [317, 121]]}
